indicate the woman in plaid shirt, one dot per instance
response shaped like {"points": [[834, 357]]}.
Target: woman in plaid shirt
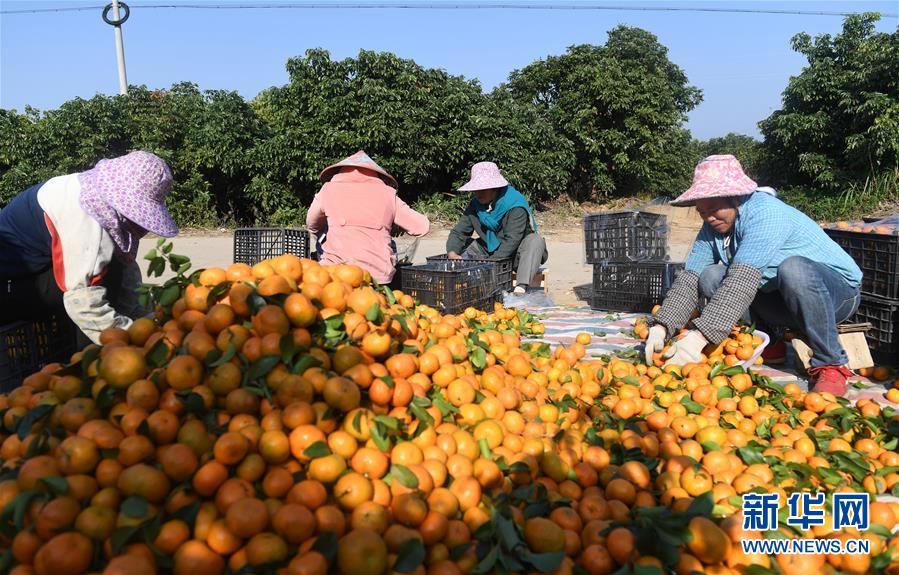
{"points": [[763, 261]]}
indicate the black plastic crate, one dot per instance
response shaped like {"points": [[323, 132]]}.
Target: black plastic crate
{"points": [[625, 237], [253, 245], [632, 286], [878, 257], [397, 281], [503, 268], [883, 337], [450, 286], [27, 346]]}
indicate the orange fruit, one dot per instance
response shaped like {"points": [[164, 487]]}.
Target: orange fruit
{"points": [[636, 473], [184, 372], [209, 477], [621, 490], [247, 517], [56, 516], [294, 522], [342, 394], [195, 557], [289, 266], [271, 319], [401, 365], [65, 554], [122, 366], [621, 544], [326, 469], [362, 552], [353, 489], [25, 545], [543, 535], [130, 564], [596, 560], [266, 548], [140, 331], [172, 535], [309, 563], [709, 543], [230, 448], [145, 481]]}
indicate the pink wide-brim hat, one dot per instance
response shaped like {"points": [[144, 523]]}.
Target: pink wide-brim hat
{"points": [[358, 160], [718, 176], [135, 186], [484, 176]]}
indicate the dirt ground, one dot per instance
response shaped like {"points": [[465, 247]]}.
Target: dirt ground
{"points": [[565, 269]]}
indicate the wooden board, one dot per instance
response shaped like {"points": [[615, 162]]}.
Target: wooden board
{"points": [[841, 328], [853, 327], [538, 281], [854, 343]]}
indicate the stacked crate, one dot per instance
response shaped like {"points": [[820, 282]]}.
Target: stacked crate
{"points": [[629, 254], [876, 251]]}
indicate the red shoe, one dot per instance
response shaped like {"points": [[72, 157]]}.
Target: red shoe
{"points": [[830, 378], [775, 353]]}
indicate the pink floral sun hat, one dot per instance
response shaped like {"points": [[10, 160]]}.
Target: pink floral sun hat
{"points": [[718, 176], [126, 195], [484, 176], [358, 160]]}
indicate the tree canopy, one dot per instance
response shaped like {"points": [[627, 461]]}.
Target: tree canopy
{"points": [[622, 107], [839, 124], [596, 122]]}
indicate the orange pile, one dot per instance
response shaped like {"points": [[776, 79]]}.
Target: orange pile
{"points": [[739, 347], [862, 227], [294, 419]]}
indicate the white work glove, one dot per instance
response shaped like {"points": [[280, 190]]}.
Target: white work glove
{"points": [[655, 341], [687, 349]]}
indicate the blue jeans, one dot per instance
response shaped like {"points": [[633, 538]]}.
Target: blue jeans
{"points": [[808, 296]]}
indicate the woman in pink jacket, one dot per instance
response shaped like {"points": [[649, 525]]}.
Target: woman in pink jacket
{"points": [[356, 209]]}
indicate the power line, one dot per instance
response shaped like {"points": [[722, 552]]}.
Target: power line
{"points": [[455, 6]]}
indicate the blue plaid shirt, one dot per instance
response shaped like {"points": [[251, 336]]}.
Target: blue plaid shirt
{"points": [[767, 232]]}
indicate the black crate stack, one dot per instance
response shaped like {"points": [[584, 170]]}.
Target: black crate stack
{"points": [[629, 254], [253, 245], [27, 346], [877, 254]]}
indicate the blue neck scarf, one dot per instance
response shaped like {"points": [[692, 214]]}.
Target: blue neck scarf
{"points": [[506, 200]]}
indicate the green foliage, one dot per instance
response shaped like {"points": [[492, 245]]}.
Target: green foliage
{"points": [[621, 106], [858, 198], [745, 148], [837, 136], [205, 137], [441, 207], [596, 122], [238, 162], [424, 126]]}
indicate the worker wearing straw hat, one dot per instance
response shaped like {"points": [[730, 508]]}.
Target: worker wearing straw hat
{"points": [[355, 211], [70, 243], [502, 220], [763, 261]]}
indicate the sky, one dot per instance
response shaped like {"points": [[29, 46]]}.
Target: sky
{"points": [[741, 61]]}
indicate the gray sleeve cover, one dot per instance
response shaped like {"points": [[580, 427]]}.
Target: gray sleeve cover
{"points": [[679, 303]]}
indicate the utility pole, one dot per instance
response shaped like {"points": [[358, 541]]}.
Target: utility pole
{"points": [[117, 22]]}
